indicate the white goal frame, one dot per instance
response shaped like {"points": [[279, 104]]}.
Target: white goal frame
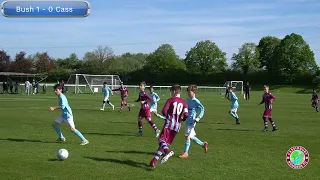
{"points": [[114, 79], [233, 84]]}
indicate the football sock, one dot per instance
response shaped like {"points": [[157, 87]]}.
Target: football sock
{"points": [[232, 114], [140, 125], [103, 105], [272, 122], [157, 155], [198, 141], [164, 146], [152, 124], [78, 133], [186, 147], [265, 123], [110, 104], [59, 132]]}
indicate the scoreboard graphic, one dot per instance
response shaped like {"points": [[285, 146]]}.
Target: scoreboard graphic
{"points": [[45, 9]]}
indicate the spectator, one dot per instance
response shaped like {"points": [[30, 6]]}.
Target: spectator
{"points": [[16, 87], [247, 90], [10, 84], [5, 87]]}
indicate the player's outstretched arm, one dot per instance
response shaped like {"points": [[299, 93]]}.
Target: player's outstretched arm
{"points": [[157, 97], [138, 100], [52, 108], [201, 107], [273, 97], [117, 89]]}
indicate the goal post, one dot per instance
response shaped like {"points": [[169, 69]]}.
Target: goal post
{"points": [[92, 83], [237, 85]]}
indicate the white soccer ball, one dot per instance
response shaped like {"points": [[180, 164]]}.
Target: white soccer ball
{"points": [[62, 154]]}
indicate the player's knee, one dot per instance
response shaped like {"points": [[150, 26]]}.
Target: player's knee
{"points": [[108, 101], [55, 124], [103, 102], [230, 112], [73, 129]]}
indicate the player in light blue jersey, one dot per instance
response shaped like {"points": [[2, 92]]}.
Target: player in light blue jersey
{"points": [[234, 104], [154, 103], [66, 116], [106, 93], [194, 106]]}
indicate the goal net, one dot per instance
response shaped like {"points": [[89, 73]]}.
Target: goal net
{"points": [[237, 85], [84, 83]]}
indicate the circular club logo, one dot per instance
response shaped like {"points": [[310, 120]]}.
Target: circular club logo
{"points": [[297, 157]]}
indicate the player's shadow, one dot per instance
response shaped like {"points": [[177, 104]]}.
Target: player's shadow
{"points": [[53, 159], [219, 129], [108, 134], [122, 162], [24, 140], [132, 152]]}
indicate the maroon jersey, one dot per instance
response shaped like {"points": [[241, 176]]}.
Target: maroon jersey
{"points": [[173, 110], [314, 97], [123, 90], [143, 96], [267, 99]]}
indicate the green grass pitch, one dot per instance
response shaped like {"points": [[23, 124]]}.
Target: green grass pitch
{"points": [[28, 148]]}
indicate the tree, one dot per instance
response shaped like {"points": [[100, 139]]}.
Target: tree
{"points": [[205, 58], [267, 47], [95, 62], [4, 60], [163, 59], [247, 58], [295, 58], [21, 64], [45, 63], [127, 63]]}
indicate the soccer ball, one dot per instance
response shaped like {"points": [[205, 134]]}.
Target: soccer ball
{"points": [[62, 154]]}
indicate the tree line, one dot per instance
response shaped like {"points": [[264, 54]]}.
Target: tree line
{"points": [[274, 61]]}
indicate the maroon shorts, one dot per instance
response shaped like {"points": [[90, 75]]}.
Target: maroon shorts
{"points": [[314, 103], [267, 113], [124, 100], [167, 135], [144, 113]]}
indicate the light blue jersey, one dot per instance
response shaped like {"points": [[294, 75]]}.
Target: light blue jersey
{"points": [[155, 98], [106, 91], [65, 108], [234, 100], [193, 106]]}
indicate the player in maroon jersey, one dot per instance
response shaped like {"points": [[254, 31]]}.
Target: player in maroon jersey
{"points": [[175, 110], [144, 112], [315, 100], [124, 94], [267, 99]]}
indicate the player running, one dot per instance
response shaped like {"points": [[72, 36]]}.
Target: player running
{"points": [[124, 94], [106, 93], [154, 103], [144, 98], [173, 110], [234, 104], [267, 99], [66, 116], [193, 106], [315, 100]]}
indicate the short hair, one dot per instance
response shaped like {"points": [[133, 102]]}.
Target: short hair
{"points": [[266, 86], [314, 89], [57, 86], [143, 83], [176, 87], [192, 88], [104, 82], [151, 87], [121, 83], [230, 88]]}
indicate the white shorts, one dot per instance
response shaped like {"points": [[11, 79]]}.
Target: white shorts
{"points": [[70, 121], [190, 132], [153, 108], [234, 110], [106, 98]]}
